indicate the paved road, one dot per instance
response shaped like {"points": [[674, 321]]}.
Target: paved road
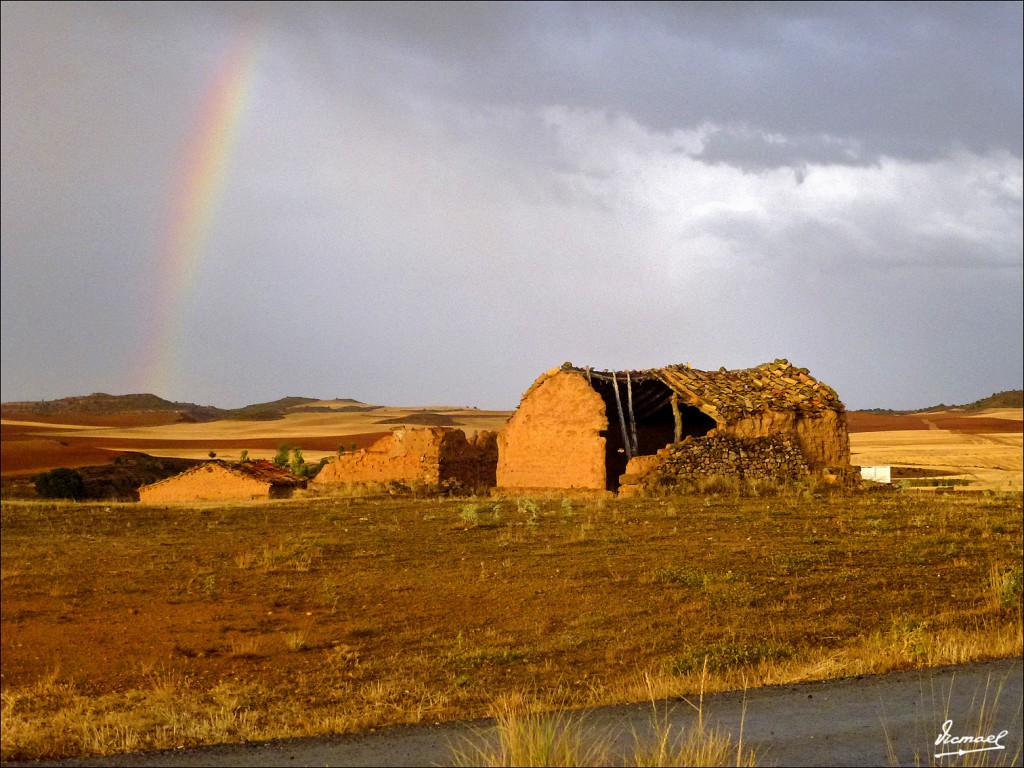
{"points": [[847, 722]]}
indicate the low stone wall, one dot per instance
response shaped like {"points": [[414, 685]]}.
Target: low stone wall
{"points": [[775, 458]]}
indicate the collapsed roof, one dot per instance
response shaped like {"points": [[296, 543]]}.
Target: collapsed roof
{"points": [[723, 395], [264, 471]]}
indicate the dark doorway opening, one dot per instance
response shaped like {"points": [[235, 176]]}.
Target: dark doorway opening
{"points": [[649, 425]]}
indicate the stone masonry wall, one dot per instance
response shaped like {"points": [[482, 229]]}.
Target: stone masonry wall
{"points": [[554, 438], [774, 458], [428, 457], [208, 482]]}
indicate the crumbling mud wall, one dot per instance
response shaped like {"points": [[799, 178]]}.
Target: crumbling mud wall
{"points": [[775, 458], [825, 440], [555, 438], [209, 482], [422, 457]]}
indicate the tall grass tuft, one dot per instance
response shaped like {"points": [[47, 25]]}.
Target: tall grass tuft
{"points": [[697, 746], [523, 736]]}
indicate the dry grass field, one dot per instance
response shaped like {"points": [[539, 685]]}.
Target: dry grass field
{"points": [[128, 627]]}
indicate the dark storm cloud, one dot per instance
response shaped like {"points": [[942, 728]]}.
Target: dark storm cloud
{"points": [[911, 80]]}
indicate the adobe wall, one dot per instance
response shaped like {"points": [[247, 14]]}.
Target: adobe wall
{"points": [[825, 440], [205, 483], [822, 437], [428, 456], [553, 440], [406, 455], [777, 458]]}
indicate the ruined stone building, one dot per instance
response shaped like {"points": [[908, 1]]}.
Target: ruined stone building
{"points": [[432, 457], [223, 481], [577, 428]]}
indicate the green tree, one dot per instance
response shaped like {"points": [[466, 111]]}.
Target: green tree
{"points": [[281, 457], [60, 483], [243, 457], [213, 454]]}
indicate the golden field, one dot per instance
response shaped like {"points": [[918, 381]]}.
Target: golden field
{"points": [[984, 448]]}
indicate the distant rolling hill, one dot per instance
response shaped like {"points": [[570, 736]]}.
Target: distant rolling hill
{"points": [[103, 405], [1011, 398]]}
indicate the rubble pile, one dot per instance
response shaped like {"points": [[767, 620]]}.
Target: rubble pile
{"points": [[773, 458]]}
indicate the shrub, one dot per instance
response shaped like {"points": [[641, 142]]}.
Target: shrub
{"points": [[297, 463], [60, 483]]}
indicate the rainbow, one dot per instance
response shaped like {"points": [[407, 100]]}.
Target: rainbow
{"points": [[194, 202]]}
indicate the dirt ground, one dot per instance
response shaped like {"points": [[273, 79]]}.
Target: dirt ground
{"points": [[994, 421]]}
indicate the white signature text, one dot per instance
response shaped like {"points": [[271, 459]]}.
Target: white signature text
{"points": [[966, 744]]}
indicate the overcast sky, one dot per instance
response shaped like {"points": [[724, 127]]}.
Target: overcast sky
{"points": [[434, 203]]}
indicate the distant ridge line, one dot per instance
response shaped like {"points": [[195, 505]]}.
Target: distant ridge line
{"points": [[1009, 398]]}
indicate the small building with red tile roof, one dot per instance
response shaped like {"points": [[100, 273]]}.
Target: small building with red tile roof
{"points": [[224, 481]]}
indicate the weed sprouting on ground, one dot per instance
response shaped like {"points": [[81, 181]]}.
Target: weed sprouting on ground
{"points": [[729, 655], [323, 615], [1005, 583]]}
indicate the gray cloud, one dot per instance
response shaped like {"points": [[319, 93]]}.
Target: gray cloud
{"points": [[436, 202]]}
